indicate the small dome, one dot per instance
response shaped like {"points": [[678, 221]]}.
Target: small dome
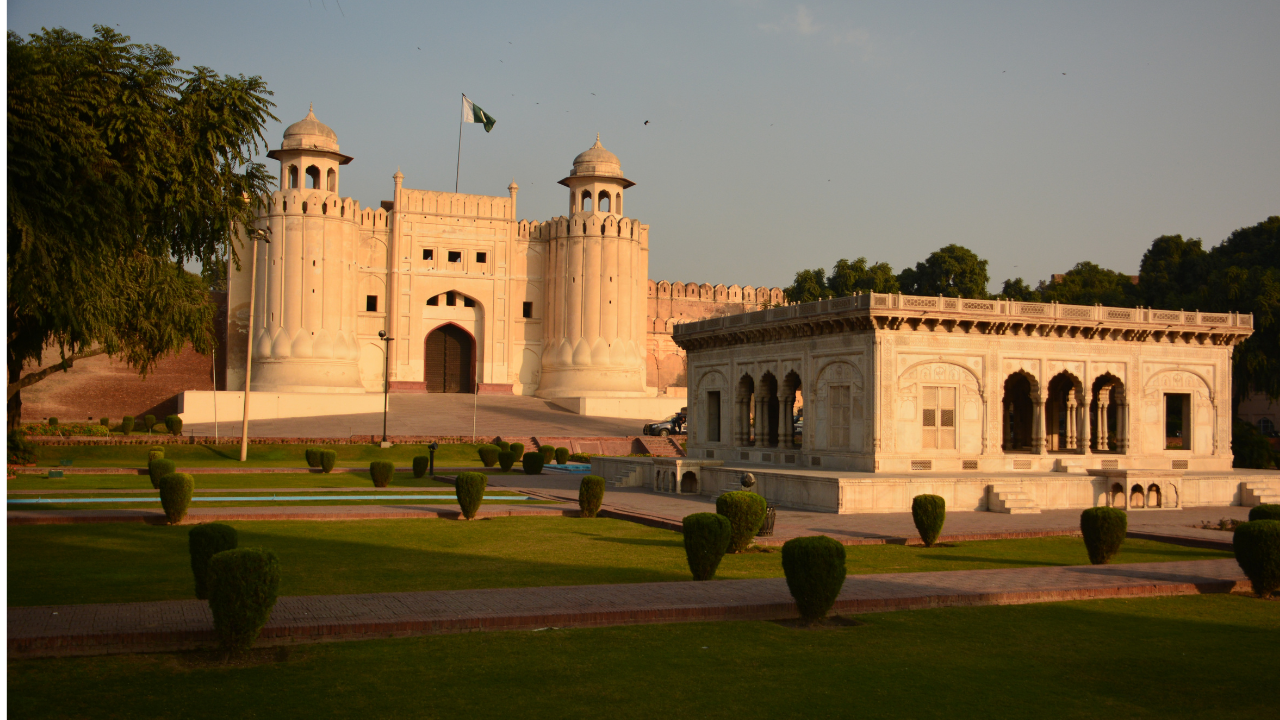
{"points": [[597, 161], [310, 133]]}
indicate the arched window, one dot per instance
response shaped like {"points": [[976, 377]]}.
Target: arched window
{"points": [[313, 177], [604, 201], [618, 202], [331, 181], [586, 201], [293, 176]]}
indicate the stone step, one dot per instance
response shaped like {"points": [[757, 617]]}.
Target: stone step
{"points": [[1260, 493], [1011, 500]]}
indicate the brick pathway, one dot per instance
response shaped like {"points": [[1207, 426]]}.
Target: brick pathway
{"points": [[184, 624]]}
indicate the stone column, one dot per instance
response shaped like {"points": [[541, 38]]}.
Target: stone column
{"points": [[1102, 419], [1122, 424], [1071, 422], [1037, 426], [788, 430], [762, 422]]}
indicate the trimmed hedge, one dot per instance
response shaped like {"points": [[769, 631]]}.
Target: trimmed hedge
{"points": [[518, 449], [175, 495], [1257, 547], [381, 472], [53, 422], [506, 459], [488, 454], [562, 456], [421, 464], [548, 454], [929, 512], [328, 458], [706, 537], [1103, 529], [580, 458], [150, 422], [503, 445], [243, 584], [469, 488], [532, 463], [154, 455], [158, 468], [590, 495], [204, 541], [313, 457], [105, 422], [126, 424], [745, 512], [815, 570], [173, 424], [1264, 512]]}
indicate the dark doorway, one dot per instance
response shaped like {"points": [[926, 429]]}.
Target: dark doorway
{"points": [[1017, 413], [688, 483], [450, 360]]}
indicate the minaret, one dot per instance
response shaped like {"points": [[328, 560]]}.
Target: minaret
{"points": [[598, 269]]}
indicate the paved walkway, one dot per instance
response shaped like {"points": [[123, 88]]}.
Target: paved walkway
{"points": [[448, 511], [185, 624]]}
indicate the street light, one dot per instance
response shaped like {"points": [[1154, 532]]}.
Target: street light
{"points": [[386, 382], [248, 355]]}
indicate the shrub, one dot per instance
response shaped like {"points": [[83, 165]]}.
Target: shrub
{"points": [[65, 429], [815, 570], [105, 422], [548, 454], [53, 422], [1264, 512], [929, 513], [580, 458], [470, 490], [175, 495], [381, 471], [150, 422], [706, 537], [562, 455], [506, 459], [1249, 447], [1103, 529], [488, 454], [158, 468], [421, 464], [243, 584], [590, 495], [746, 514], [126, 424], [204, 541], [503, 445], [173, 424], [1257, 548], [21, 450], [532, 463], [517, 449], [328, 458], [313, 457], [154, 454]]}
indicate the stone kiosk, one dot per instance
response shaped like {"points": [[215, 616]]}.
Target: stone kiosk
{"points": [[994, 405]]}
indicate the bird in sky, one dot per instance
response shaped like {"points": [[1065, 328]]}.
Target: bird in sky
{"points": [[646, 122]]}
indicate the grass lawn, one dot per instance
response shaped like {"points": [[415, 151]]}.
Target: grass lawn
{"points": [[444, 496], [247, 481], [125, 562], [1179, 657], [460, 455]]}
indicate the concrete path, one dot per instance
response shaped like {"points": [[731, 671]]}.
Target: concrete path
{"points": [[185, 624], [284, 512]]}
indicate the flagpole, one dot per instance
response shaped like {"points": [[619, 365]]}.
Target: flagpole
{"points": [[459, 170]]}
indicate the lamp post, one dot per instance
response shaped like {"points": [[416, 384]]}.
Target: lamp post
{"points": [[431, 461], [248, 355], [386, 383]]}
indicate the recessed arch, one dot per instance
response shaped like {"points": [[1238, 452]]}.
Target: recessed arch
{"points": [[449, 361], [313, 177]]}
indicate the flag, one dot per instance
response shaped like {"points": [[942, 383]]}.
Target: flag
{"points": [[471, 113]]}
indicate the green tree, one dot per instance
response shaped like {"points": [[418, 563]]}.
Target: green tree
{"points": [[953, 271], [1172, 271], [1089, 284], [121, 167], [809, 286], [851, 278], [1017, 289]]}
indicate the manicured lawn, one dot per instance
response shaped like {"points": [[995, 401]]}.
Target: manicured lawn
{"points": [[124, 562], [210, 481], [460, 455], [1198, 657], [444, 496]]}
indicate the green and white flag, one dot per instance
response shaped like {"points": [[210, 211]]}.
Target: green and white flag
{"points": [[471, 113]]}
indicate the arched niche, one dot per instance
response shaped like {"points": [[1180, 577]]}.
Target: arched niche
{"points": [[836, 409]]}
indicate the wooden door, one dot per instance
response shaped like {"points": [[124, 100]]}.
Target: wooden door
{"points": [[448, 360]]}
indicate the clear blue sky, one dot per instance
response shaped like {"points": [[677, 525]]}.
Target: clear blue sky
{"points": [[782, 135]]}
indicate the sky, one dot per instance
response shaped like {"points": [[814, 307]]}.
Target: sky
{"points": [[783, 136]]}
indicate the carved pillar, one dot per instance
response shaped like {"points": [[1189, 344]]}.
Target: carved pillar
{"points": [[1122, 423], [742, 428], [1037, 426], [788, 412], [1006, 443], [1072, 443], [762, 419], [1102, 419]]}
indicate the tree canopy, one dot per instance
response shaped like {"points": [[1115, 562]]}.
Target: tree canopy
{"points": [[121, 166], [1089, 284], [847, 278], [952, 271]]}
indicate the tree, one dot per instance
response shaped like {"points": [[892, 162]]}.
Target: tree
{"points": [[1089, 284], [1172, 269], [121, 167], [953, 271], [851, 278], [809, 286], [1017, 289]]}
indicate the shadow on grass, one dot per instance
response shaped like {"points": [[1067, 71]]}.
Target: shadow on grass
{"points": [[638, 541]]}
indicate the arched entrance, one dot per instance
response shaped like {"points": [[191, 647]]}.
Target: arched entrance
{"points": [[450, 360]]}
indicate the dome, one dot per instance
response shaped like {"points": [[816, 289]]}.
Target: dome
{"points": [[595, 161], [310, 133]]}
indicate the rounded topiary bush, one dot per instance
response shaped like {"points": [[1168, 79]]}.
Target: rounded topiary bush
{"points": [[53, 422], [548, 454], [532, 463], [706, 537], [1257, 547], [154, 454], [745, 511], [470, 490], [1103, 529], [126, 424], [150, 422], [590, 495], [313, 457], [517, 449], [380, 471], [506, 459], [105, 422], [488, 454], [579, 458], [562, 456], [175, 495], [328, 458], [243, 584], [815, 570], [173, 424], [1264, 512], [421, 463], [204, 541], [929, 512], [503, 445], [158, 468]]}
